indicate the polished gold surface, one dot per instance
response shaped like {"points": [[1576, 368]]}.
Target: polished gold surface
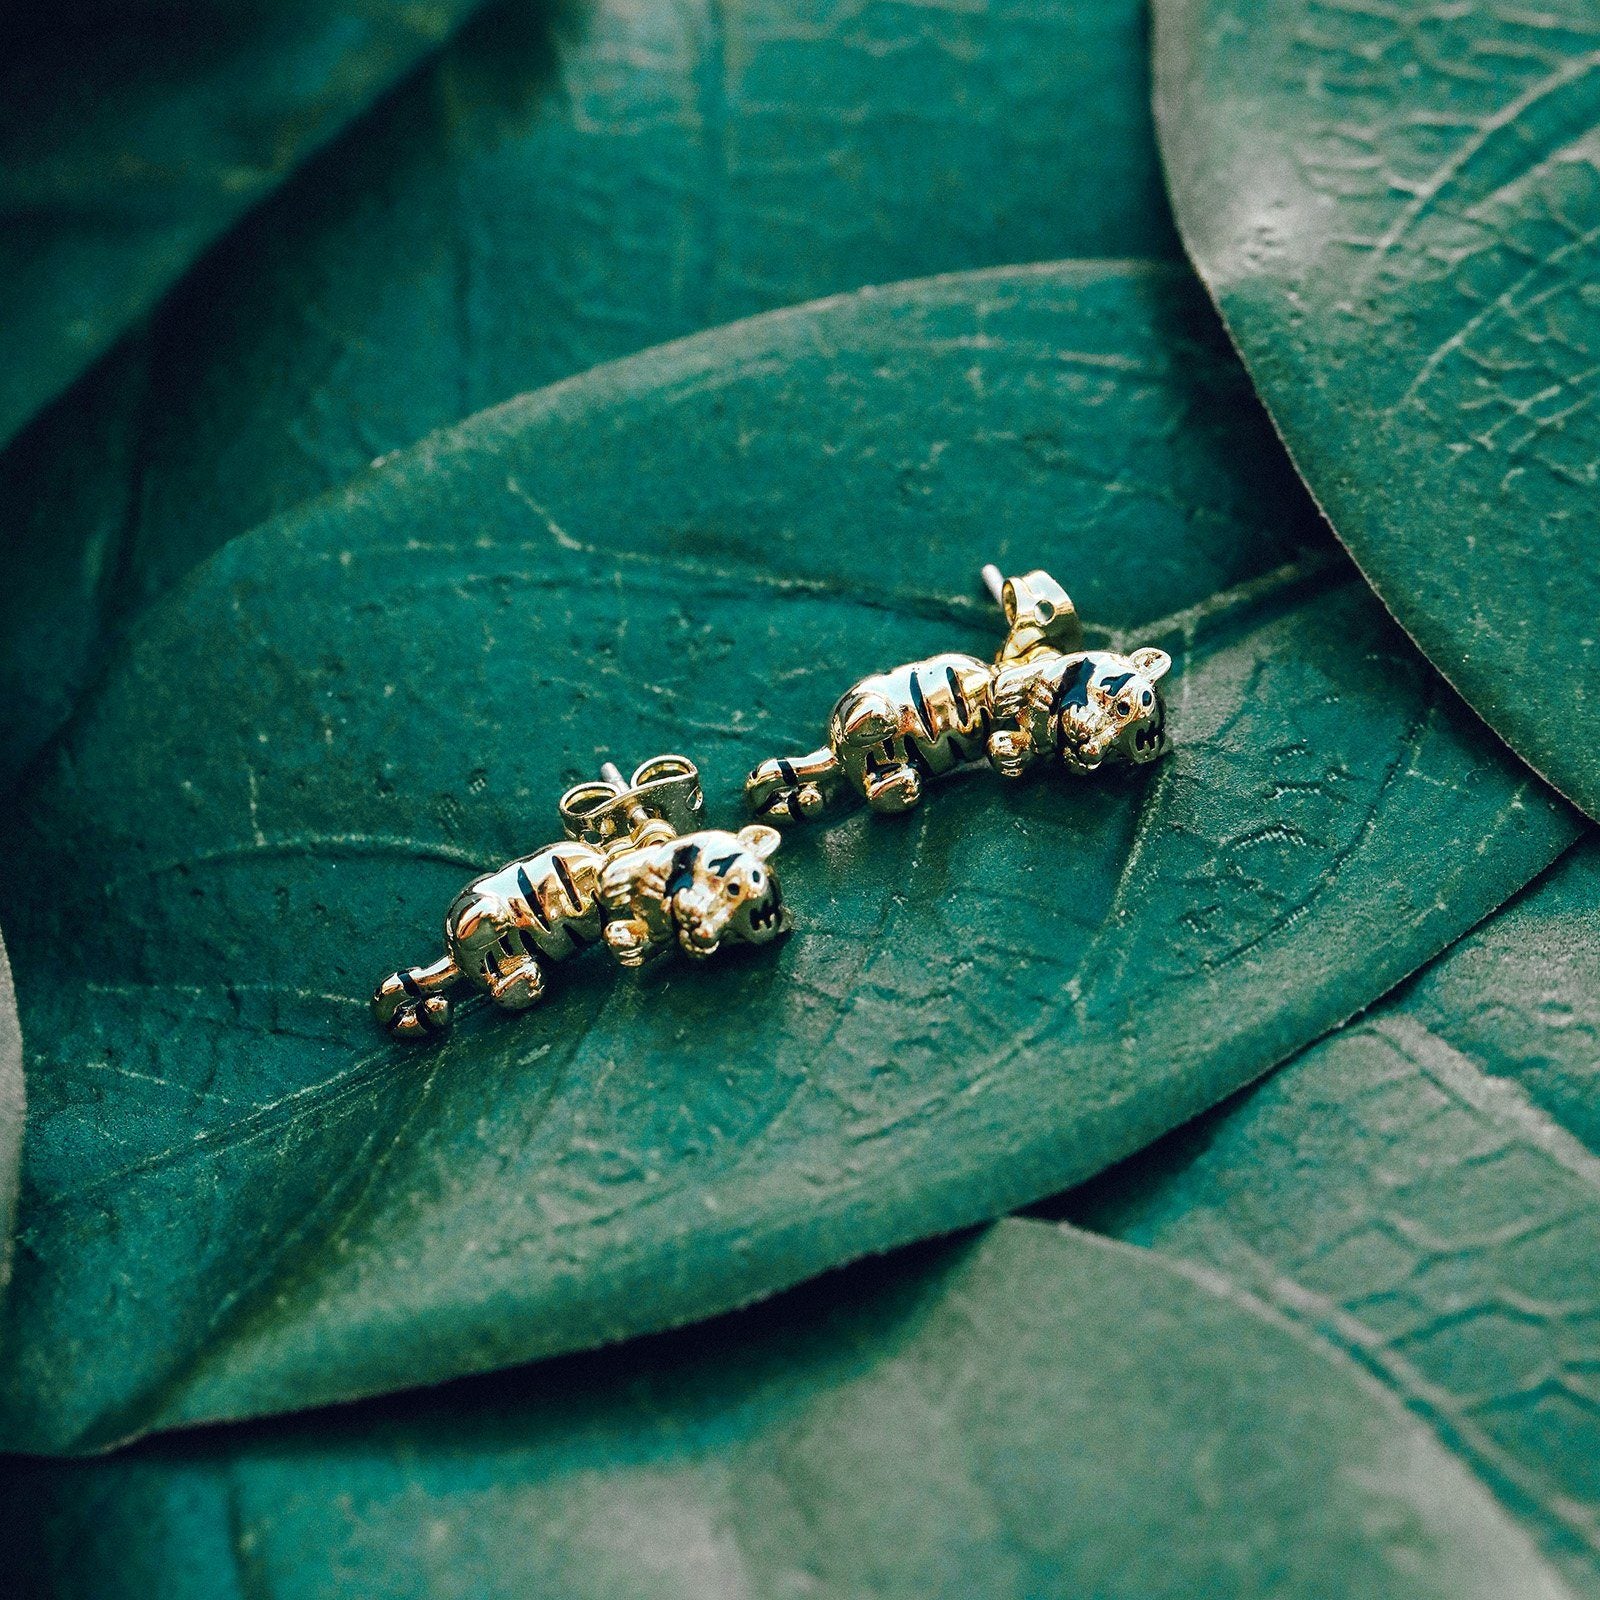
{"points": [[633, 873], [1043, 698]]}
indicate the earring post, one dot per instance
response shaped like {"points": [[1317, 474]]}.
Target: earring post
{"points": [[638, 816], [994, 581]]}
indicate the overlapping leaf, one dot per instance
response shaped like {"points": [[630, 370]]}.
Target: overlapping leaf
{"points": [[574, 185], [132, 136], [999, 1406], [239, 1199], [566, 185], [1397, 207], [1423, 1190]]}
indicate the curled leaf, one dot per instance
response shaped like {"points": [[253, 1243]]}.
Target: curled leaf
{"points": [[1397, 208]]}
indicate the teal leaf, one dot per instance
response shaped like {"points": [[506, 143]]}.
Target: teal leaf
{"points": [[558, 189], [583, 189], [132, 137], [1031, 1414], [1422, 1190], [1397, 208], [240, 1199]]}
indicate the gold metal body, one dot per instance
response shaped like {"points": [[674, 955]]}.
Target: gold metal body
{"points": [[1043, 698], [633, 873]]}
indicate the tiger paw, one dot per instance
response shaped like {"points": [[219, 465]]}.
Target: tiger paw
{"points": [[1008, 753], [628, 940], [518, 988], [894, 791]]}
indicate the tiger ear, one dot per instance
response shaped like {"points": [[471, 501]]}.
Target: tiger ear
{"points": [[760, 839], [1154, 664]]}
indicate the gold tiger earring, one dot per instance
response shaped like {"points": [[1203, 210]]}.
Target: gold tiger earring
{"points": [[634, 872], [1044, 697]]}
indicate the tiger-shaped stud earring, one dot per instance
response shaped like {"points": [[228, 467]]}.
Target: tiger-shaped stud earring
{"points": [[1044, 697], [627, 874]]}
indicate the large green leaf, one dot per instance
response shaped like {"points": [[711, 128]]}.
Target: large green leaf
{"points": [[1423, 1190], [1397, 207], [1034, 1414], [239, 1198], [132, 136], [560, 189]]}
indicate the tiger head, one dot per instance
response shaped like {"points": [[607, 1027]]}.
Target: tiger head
{"points": [[1109, 709], [720, 890]]}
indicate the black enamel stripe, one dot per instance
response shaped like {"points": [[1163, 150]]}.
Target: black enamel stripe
{"points": [[531, 895], [787, 773], [682, 874], [565, 875], [923, 714], [722, 863], [1074, 689], [963, 710], [411, 986]]}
